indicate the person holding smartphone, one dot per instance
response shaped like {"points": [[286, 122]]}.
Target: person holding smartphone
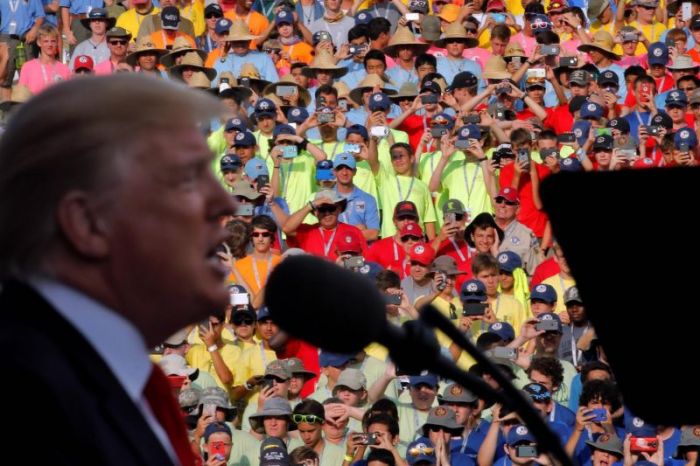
{"points": [[213, 355]]}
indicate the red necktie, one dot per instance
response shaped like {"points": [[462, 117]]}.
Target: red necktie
{"points": [[160, 398]]}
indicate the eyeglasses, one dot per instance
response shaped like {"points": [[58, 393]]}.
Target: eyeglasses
{"points": [[242, 321], [307, 418], [326, 209], [501, 200], [275, 379], [410, 238], [471, 30], [258, 234], [417, 451], [647, 7]]}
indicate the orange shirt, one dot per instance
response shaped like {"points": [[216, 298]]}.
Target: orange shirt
{"points": [[212, 57], [256, 22], [164, 41], [248, 266]]}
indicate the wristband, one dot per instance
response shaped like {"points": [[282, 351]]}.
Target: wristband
{"points": [[311, 205], [276, 166], [212, 348], [348, 458], [303, 144]]}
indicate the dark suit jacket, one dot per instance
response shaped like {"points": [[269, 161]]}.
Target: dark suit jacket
{"points": [[60, 402]]}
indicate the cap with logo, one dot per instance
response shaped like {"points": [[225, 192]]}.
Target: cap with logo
{"points": [[462, 80], [425, 378], [591, 110], [422, 253], [265, 107], [662, 119], [284, 16], [581, 129], [519, 434], [537, 392], [411, 229], [273, 452], [222, 26], [608, 77], [363, 17], [235, 123], [604, 142], [658, 54], [570, 164], [453, 206], [473, 291], [170, 17], [406, 209], [546, 316], [443, 119], [572, 295], [676, 98], [509, 194], [230, 162], [324, 170], [685, 136], [620, 124], [503, 330], [469, 131], [244, 139], [508, 261], [637, 426], [320, 36], [83, 62], [421, 451], [544, 293], [255, 167], [349, 242], [580, 77], [432, 87], [379, 102], [344, 159], [297, 115]]}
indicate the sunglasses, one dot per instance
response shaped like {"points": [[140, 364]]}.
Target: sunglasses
{"points": [[213, 15], [242, 321], [326, 209], [275, 379], [647, 7], [454, 41], [417, 451], [410, 238], [406, 218], [687, 89], [501, 200], [471, 30], [307, 418], [258, 234], [118, 42]]}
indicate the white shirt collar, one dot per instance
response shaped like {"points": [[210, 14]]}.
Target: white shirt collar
{"points": [[114, 338]]}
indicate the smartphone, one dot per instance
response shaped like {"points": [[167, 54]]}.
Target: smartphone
{"points": [[547, 325], [442, 280], [392, 299], [176, 381], [285, 91], [643, 444], [239, 299], [566, 138], [450, 218], [379, 131], [356, 49], [352, 148], [343, 105], [526, 451], [629, 37], [289, 152], [367, 439], [245, 210], [474, 309], [209, 409], [471, 119], [354, 262], [646, 88], [549, 50], [517, 61], [669, 42], [244, 82], [600, 414], [523, 156], [549, 152], [266, 383], [652, 130], [462, 144], [627, 153], [438, 131], [498, 17], [569, 62], [535, 73], [412, 17], [429, 98], [686, 11], [325, 118], [217, 450], [684, 148], [262, 181], [505, 353], [603, 131]]}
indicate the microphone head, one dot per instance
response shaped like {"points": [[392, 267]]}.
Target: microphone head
{"points": [[324, 304]]}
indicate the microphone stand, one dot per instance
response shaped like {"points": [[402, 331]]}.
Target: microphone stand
{"points": [[510, 395]]}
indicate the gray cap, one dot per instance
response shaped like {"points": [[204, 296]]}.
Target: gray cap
{"points": [[354, 379], [274, 406], [174, 364], [443, 416], [455, 393], [445, 264], [430, 28], [690, 438], [215, 396], [331, 194], [453, 206], [607, 442], [278, 368], [695, 97], [296, 367], [580, 77], [189, 397], [572, 295]]}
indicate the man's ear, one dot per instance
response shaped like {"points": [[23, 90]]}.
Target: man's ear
{"points": [[81, 225]]}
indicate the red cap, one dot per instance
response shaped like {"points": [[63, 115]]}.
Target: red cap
{"points": [[349, 243], [83, 61], [405, 208], [495, 5], [646, 162], [411, 229], [138, 2], [422, 253], [509, 194]]}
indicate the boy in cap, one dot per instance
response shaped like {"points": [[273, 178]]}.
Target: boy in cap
{"points": [[577, 327], [274, 419], [325, 178], [685, 147], [361, 210], [440, 428], [509, 267], [332, 364], [419, 281], [230, 167], [390, 251], [255, 171], [237, 45], [299, 377], [217, 439], [429, 145], [450, 241], [243, 323], [543, 298], [520, 436], [560, 418], [98, 22]]}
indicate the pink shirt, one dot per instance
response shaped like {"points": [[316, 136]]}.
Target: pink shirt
{"points": [[627, 61], [38, 77], [437, 51], [571, 46], [477, 54], [105, 67], [527, 43]]}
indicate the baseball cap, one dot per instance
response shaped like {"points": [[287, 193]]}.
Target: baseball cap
{"points": [[405, 209], [509, 194], [283, 129], [278, 368], [591, 110], [264, 314], [223, 25], [344, 160], [297, 115], [580, 77], [685, 136], [421, 450], [351, 378], [443, 119], [432, 87], [284, 16], [379, 101], [676, 98], [216, 427], [467, 132], [509, 261], [551, 316], [504, 330], [519, 434], [255, 167], [320, 36], [265, 107], [455, 393], [453, 206], [349, 242], [426, 378], [462, 80], [230, 162], [244, 139], [581, 129], [357, 129], [170, 17], [570, 164], [324, 170], [603, 142], [473, 291], [544, 293], [273, 452], [363, 17], [422, 253], [537, 392], [83, 62], [235, 123], [608, 77], [328, 359], [213, 8], [658, 54], [637, 426], [411, 229], [662, 119], [620, 124]]}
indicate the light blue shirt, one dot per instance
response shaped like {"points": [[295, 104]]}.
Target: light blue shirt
{"points": [[361, 209], [98, 54], [351, 65], [450, 68], [338, 30], [358, 116], [401, 76], [620, 72], [233, 63], [19, 15], [49, 18], [79, 7]]}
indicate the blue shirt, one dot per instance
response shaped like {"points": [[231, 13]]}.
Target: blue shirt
{"points": [[620, 72], [50, 18], [474, 440], [233, 63], [400, 76], [575, 392], [563, 414], [634, 117], [20, 13], [350, 64], [79, 7], [361, 209], [450, 68], [316, 11]]}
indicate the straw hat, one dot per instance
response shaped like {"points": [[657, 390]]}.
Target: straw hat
{"points": [[180, 46], [602, 42], [514, 49], [369, 82], [495, 68], [248, 70], [20, 94], [404, 37], [344, 93], [288, 80], [407, 89], [682, 62], [239, 32], [324, 61], [456, 31], [193, 60], [235, 90], [143, 45]]}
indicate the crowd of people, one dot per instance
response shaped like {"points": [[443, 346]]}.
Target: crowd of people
{"points": [[405, 141]]}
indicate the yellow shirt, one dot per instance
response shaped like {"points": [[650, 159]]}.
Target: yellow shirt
{"points": [[252, 361], [195, 13], [465, 181], [131, 21], [198, 356], [393, 189], [508, 309], [560, 285], [651, 31]]}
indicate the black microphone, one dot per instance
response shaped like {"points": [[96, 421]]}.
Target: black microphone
{"points": [[324, 304]]}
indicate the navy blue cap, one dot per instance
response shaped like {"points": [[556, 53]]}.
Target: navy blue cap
{"points": [[244, 139], [581, 129], [685, 136], [469, 132], [357, 129], [544, 293], [230, 162], [662, 119], [324, 170], [473, 291], [545, 316], [608, 77], [504, 330], [255, 167], [264, 314], [370, 270], [283, 129], [537, 392], [216, 427], [519, 434], [265, 107], [676, 98], [297, 115], [432, 87], [235, 123], [637, 426], [463, 79], [603, 142], [570, 164], [591, 110], [379, 101], [427, 379], [658, 54], [320, 36], [444, 119], [509, 261], [363, 17], [328, 359], [222, 26], [417, 451], [620, 124], [284, 16], [344, 160]]}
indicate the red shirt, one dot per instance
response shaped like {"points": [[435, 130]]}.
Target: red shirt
{"points": [[559, 119], [321, 242], [528, 215], [389, 254], [413, 126], [463, 258], [308, 354], [548, 268]]}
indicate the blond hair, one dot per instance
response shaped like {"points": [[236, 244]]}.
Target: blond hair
{"points": [[75, 136]]}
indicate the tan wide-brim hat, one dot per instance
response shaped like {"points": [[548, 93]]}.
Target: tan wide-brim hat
{"points": [[407, 89], [369, 83], [236, 90], [20, 94], [344, 93], [143, 45], [603, 42], [193, 60], [199, 80], [456, 31], [250, 71], [514, 49], [495, 68], [239, 32], [682, 62], [324, 61], [288, 80], [180, 46], [403, 38]]}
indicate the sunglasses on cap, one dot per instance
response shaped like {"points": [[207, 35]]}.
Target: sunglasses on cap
{"points": [[501, 200], [307, 418], [326, 208], [258, 234], [410, 238], [118, 42], [242, 321], [417, 451]]}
